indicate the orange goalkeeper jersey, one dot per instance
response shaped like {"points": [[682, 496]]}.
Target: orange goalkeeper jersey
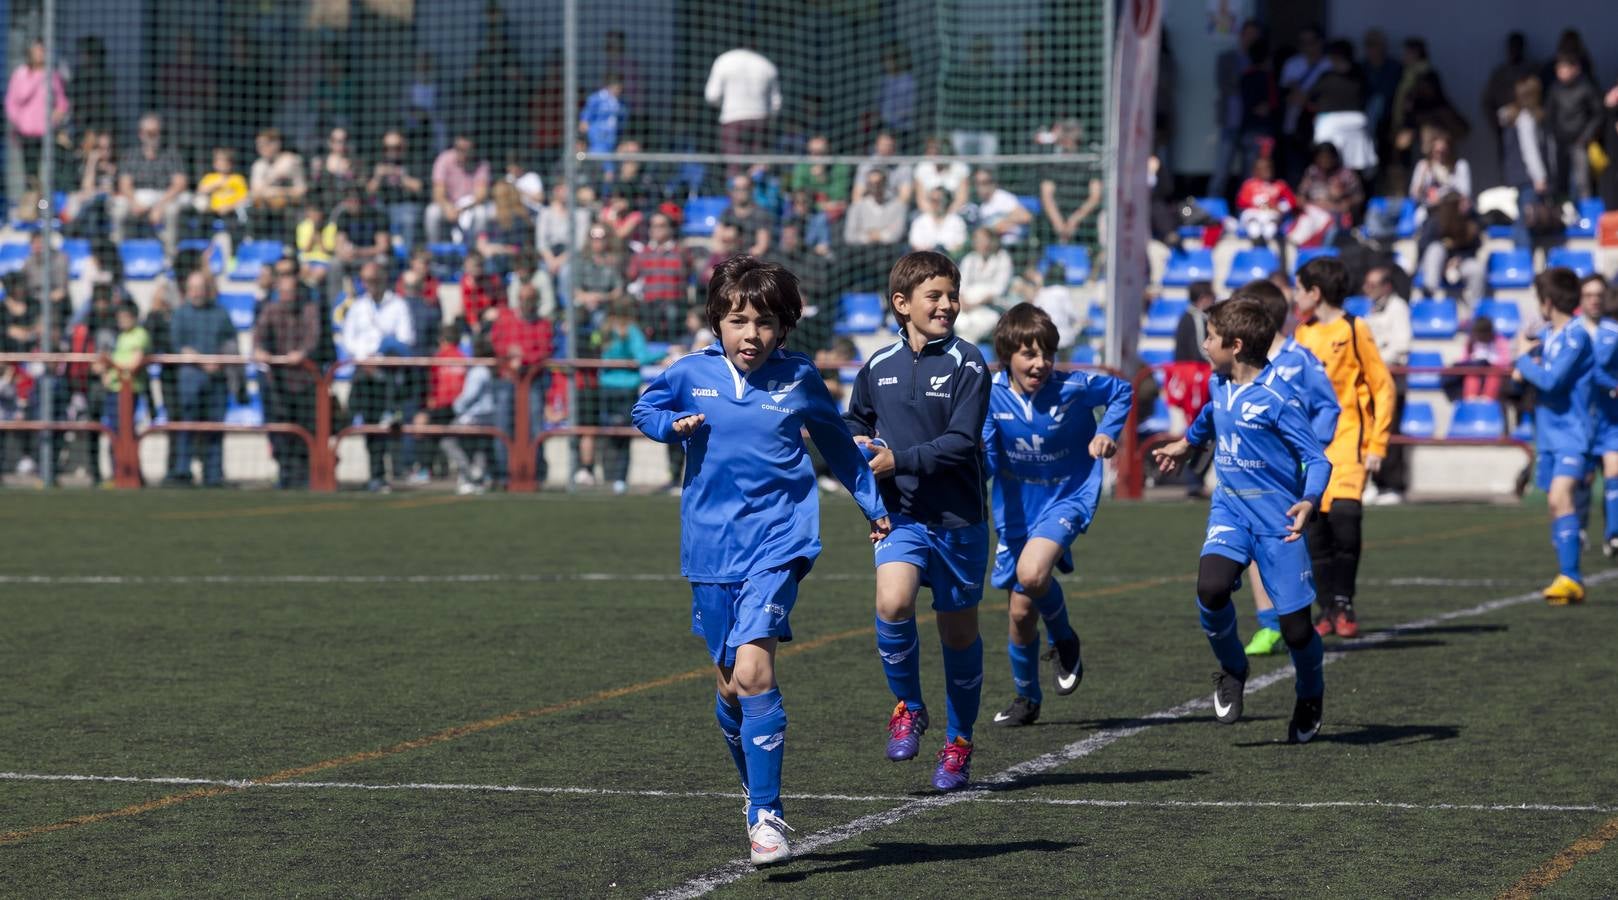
{"points": [[1364, 387]]}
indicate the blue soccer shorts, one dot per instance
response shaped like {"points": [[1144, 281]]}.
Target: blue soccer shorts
{"points": [[1283, 565], [1062, 525], [952, 560], [1552, 464], [1606, 437], [740, 612]]}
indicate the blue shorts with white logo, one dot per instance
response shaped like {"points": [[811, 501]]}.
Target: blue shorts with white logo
{"points": [[1606, 437], [1553, 464], [739, 612], [1062, 524], [952, 560], [1283, 565]]}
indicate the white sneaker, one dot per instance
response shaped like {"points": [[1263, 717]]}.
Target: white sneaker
{"points": [[620, 488], [768, 838], [465, 487], [1369, 495], [1389, 498], [829, 484], [584, 478]]}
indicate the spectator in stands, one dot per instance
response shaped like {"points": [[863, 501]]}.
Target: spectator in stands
{"points": [[87, 212], [1048, 290], [1428, 113], [276, 186], [1452, 258], [1193, 324], [1527, 159], [379, 324], [1263, 202], [634, 182], [530, 186], [331, 174], [621, 339], [938, 228], [1501, 89], [1382, 73], [444, 384], [151, 185], [395, 190], [746, 87], [1338, 102], [1571, 44], [482, 293], [200, 326], [33, 269], [658, 274], [814, 270], [92, 90], [522, 338], [874, 230], [315, 237], [901, 177], [753, 223], [460, 192], [126, 361], [997, 209], [526, 270], [25, 107], [473, 406], [1485, 348], [1607, 137], [420, 267], [20, 318], [896, 95], [509, 230], [814, 226], [1066, 205], [1415, 64], [598, 276], [289, 328], [1228, 69], [602, 118], [622, 218], [1389, 321], [1298, 77], [1573, 110], [551, 231], [1438, 175], [423, 119], [985, 281], [1332, 196], [726, 243], [222, 193], [827, 183], [362, 232], [428, 323], [953, 176]]}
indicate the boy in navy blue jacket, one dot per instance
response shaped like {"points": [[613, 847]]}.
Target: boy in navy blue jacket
{"points": [[749, 512], [925, 397]]}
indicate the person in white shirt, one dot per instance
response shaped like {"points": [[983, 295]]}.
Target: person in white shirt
{"points": [[985, 279], [937, 173], [1389, 321], [937, 228], [747, 89], [378, 324], [997, 209]]}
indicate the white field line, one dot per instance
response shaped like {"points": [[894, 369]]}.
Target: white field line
{"points": [[739, 869], [566, 577], [248, 784]]}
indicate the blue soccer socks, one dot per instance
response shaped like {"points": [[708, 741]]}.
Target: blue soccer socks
{"points": [[1611, 488], [764, 736], [1269, 618], [897, 644], [730, 724], [963, 683], [1025, 669], [1310, 664], [1053, 609], [1565, 538], [1220, 626]]}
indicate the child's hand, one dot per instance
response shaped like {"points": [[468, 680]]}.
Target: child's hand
{"points": [[881, 459], [684, 427], [1171, 456], [1103, 447], [1299, 513], [1373, 463], [880, 528]]}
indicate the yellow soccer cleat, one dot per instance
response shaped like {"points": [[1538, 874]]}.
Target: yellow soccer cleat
{"points": [[1564, 591]]}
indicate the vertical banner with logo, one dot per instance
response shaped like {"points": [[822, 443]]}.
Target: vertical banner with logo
{"points": [[1133, 105]]}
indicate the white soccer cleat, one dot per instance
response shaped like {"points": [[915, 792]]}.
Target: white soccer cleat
{"points": [[768, 838]]}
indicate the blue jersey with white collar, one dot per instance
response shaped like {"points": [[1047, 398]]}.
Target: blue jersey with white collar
{"points": [[1563, 370], [749, 500], [1267, 457], [1605, 376], [1038, 447], [1303, 372]]}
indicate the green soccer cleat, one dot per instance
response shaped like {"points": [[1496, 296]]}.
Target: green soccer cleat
{"points": [[1265, 642]]}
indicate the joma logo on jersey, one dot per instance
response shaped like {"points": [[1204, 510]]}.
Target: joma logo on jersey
{"points": [[884, 382], [779, 390], [704, 392]]}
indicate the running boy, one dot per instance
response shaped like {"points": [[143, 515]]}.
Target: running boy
{"points": [[926, 397], [1605, 439], [1560, 362], [1271, 475], [1042, 444], [749, 513], [1365, 390]]}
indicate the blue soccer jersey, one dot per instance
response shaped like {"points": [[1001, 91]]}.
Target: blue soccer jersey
{"points": [[1605, 384], [749, 501], [1038, 449], [1302, 371], [1267, 458], [1563, 370]]}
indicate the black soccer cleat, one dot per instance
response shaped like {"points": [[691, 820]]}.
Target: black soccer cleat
{"points": [[1069, 665], [1305, 722], [1022, 711], [1227, 698]]}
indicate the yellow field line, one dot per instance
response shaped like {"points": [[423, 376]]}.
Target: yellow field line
{"points": [[1562, 863]]}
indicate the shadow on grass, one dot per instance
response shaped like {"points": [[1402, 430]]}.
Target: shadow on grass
{"points": [[904, 854], [1367, 735], [1141, 776], [1105, 724]]}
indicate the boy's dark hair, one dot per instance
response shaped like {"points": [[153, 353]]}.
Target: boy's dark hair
{"points": [[1248, 321], [916, 267], [1560, 288], [743, 281], [1198, 290], [1328, 275], [1022, 326], [1569, 58], [1267, 295]]}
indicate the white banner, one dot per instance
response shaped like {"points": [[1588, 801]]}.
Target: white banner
{"points": [[1133, 104]]}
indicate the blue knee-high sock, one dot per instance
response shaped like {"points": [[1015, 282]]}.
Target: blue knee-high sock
{"points": [[1053, 609], [1269, 618], [764, 740], [899, 647], [963, 686], [1611, 488], [1310, 664], [730, 724], [1565, 538], [1220, 626], [1025, 669]]}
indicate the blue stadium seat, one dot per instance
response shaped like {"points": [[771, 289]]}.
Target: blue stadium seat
{"points": [[249, 413], [1498, 232], [1407, 218], [1476, 419], [860, 314], [1247, 265], [1418, 420], [1581, 261], [1164, 316], [1304, 254], [1157, 356], [1030, 202], [1589, 214], [1159, 421], [1216, 207], [12, 257], [1525, 427], [1425, 381], [1434, 319], [1505, 314], [1512, 268], [77, 251], [447, 259], [143, 258], [240, 306], [1096, 325], [1358, 305], [702, 215], [1075, 260], [252, 256], [1086, 355], [1186, 266]]}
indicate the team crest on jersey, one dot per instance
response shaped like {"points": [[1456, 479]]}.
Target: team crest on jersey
{"points": [[1251, 411], [778, 390], [1059, 411], [938, 382], [1287, 373]]}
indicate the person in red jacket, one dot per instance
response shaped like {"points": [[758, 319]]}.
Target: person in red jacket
{"points": [[443, 386], [481, 293], [1262, 202], [522, 338]]}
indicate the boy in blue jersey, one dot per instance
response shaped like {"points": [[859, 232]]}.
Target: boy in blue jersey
{"points": [[1560, 362], [1290, 363], [1604, 442], [926, 397], [1043, 445], [749, 513], [1271, 475]]}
